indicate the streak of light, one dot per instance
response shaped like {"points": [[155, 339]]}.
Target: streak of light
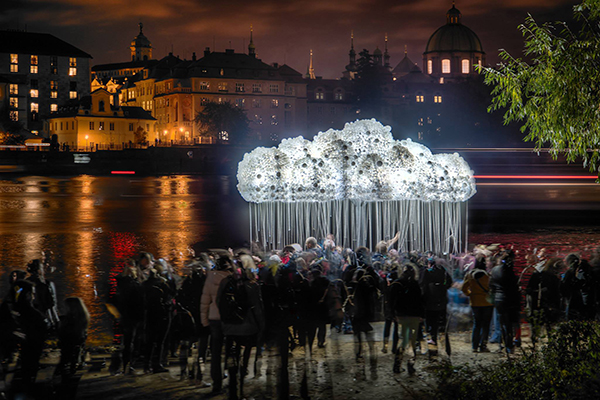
{"points": [[122, 172]]}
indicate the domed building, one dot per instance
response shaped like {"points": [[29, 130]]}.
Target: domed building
{"points": [[453, 50], [141, 48]]}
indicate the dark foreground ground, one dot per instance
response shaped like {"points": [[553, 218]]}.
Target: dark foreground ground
{"points": [[332, 373]]}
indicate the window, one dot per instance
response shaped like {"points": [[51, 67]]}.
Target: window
{"points": [[258, 119], [240, 103], [14, 63], [445, 66], [101, 126], [437, 99], [54, 65], [54, 94], [34, 93], [429, 67], [204, 85], [203, 101], [101, 106], [274, 103], [131, 127], [72, 66], [35, 107], [34, 64], [91, 125], [14, 115], [255, 103], [273, 88], [223, 135], [339, 96], [111, 126], [442, 80], [420, 98], [465, 66], [34, 84], [239, 87], [72, 90], [14, 102], [53, 107], [319, 96], [72, 94], [222, 86], [13, 89], [274, 120], [256, 88], [61, 125]]}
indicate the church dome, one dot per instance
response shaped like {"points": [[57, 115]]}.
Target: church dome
{"points": [[454, 36], [141, 40]]}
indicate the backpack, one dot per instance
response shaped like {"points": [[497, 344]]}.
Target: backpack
{"points": [[233, 301]]}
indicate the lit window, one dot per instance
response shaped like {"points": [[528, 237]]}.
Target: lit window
{"points": [[91, 125], [319, 96], [258, 119], [256, 88], [204, 85], [274, 120], [465, 66], [73, 94], [14, 115], [72, 62], [53, 107], [100, 126], [445, 66], [54, 94], [35, 107], [72, 90], [420, 122], [339, 96], [34, 93], [223, 135], [479, 62], [54, 65], [14, 68], [437, 99], [14, 63], [429, 67], [33, 69], [203, 101], [240, 103], [273, 88], [442, 80], [72, 71], [255, 103], [222, 86], [34, 64], [274, 103], [14, 89], [14, 102], [420, 98], [239, 87]]}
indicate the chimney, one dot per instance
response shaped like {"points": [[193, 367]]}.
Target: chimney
{"points": [[275, 65], [194, 56], [206, 51]]}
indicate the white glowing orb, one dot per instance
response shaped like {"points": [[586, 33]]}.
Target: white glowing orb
{"points": [[360, 162]]}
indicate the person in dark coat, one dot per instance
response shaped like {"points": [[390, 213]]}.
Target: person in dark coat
{"points": [[364, 300], [242, 333], [8, 323], [388, 311], [543, 297], [406, 302], [45, 292], [435, 284], [319, 289], [507, 298], [157, 304], [578, 288], [72, 334]]}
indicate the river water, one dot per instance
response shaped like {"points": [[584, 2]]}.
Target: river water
{"points": [[88, 226]]}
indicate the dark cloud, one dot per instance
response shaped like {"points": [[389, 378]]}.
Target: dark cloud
{"points": [[284, 31]]}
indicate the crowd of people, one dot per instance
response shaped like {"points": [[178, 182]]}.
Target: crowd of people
{"points": [[231, 302]]}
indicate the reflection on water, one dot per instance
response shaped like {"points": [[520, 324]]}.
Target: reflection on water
{"points": [[89, 226]]}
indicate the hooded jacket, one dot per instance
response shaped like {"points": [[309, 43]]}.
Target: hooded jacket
{"points": [[208, 302]]}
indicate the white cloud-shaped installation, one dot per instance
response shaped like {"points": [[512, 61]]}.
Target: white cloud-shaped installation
{"points": [[361, 162]]}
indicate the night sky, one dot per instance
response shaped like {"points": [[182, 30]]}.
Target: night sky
{"points": [[284, 31]]}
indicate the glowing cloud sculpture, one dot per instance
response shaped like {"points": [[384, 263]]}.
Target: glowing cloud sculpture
{"points": [[360, 184]]}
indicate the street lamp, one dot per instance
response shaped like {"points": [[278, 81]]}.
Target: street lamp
{"points": [[86, 142]]}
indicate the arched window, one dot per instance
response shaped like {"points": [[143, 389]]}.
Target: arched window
{"points": [[445, 66], [465, 66], [101, 106], [429, 67]]}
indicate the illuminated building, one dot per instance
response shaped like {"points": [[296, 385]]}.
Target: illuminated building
{"points": [[43, 73], [95, 123]]}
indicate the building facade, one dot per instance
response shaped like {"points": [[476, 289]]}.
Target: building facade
{"points": [[93, 123], [44, 73]]}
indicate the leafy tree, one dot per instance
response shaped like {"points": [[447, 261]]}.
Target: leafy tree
{"points": [[223, 121], [367, 86], [140, 135], [556, 94], [10, 131]]}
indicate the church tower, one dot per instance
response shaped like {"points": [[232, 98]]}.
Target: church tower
{"points": [[251, 46], [350, 71], [310, 72], [141, 48]]}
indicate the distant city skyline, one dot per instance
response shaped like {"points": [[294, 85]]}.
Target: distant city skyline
{"points": [[283, 32]]}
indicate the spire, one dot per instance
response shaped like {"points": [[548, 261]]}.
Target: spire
{"points": [[453, 15], [405, 50], [141, 28], [352, 53], [251, 46], [310, 72], [386, 55]]}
